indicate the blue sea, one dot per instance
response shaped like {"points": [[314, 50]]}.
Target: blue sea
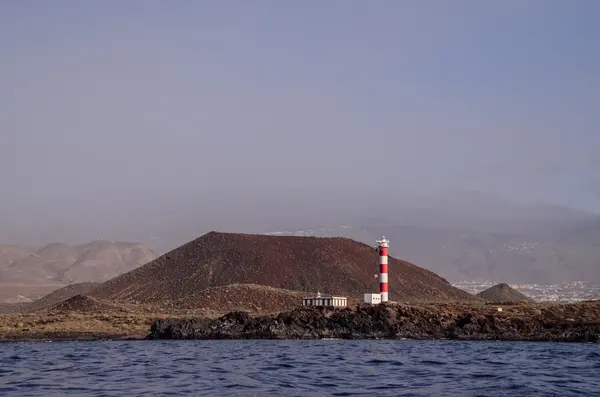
{"points": [[299, 368]]}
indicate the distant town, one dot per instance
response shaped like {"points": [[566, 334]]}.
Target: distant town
{"points": [[565, 292]]}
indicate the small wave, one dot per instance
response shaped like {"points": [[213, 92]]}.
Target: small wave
{"points": [[593, 356], [433, 362], [378, 361], [485, 376]]}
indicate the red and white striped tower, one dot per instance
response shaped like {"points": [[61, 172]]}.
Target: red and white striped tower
{"points": [[382, 247]]}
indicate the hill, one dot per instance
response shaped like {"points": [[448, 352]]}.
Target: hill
{"points": [[6, 308], [503, 293], [59, 295], [18, 299], [83, 303], [331, 265], [10, 253], [34, 272], [246, 297]]}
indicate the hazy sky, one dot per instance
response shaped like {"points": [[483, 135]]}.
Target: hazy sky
{"points": [[118, 112]]}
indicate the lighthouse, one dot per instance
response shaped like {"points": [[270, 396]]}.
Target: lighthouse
{"points": [[382, 248]]}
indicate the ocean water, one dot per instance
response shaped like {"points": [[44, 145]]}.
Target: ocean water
{"points": [[299, 368]]}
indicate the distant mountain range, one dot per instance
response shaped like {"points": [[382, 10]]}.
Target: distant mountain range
{"points": [[35, 271], [470, 236], [459, 254]]}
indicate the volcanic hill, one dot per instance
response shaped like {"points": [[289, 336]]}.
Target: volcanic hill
{"points": [[83, 303], [330, 265], [503, 293], [244, 297], [60, 295]]}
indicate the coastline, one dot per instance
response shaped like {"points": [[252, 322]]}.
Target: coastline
{"points": [[578, 323], [57, 326], [526, 322], [68, 337], [99, 337]]}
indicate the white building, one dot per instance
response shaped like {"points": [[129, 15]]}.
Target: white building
{"points": [[373, 299], [325, 300]]}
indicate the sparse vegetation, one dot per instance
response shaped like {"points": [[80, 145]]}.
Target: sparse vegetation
{"points": [[60, 324]]}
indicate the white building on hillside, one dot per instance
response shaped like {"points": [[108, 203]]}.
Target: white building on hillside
{"points": [[325, 300]]}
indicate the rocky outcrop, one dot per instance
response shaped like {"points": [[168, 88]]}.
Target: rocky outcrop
{"points": [[572, 323]]}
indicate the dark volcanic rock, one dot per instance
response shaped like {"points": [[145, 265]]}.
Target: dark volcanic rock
{"points": [[389, 321], [226, 327]]}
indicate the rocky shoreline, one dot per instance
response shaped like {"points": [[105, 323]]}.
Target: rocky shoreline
{"points": [[66, 337], [559, 323], [578, 322]]}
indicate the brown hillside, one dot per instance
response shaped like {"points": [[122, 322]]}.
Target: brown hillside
{"points": [[330, 265], [83, 303], [60, 295], [246, 297], [503, 293]]}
